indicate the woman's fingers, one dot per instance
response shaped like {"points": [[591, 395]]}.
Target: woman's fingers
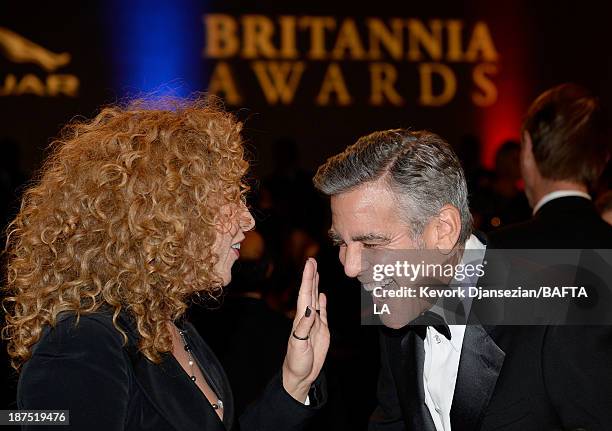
{"points": [[306, 288], [323, 308], [314, 287], [301, 332], [316, 291]]}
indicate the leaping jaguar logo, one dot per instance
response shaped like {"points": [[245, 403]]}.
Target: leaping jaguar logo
{"points": [[21, 50], [18, 49]]}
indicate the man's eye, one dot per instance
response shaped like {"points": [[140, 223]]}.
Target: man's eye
{"points": [[369, 245], [338, 243]]}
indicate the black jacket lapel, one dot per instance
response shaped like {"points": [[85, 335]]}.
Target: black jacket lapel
{"points": [[212, 369], [406, 356], [480, 364], [169, 389]]}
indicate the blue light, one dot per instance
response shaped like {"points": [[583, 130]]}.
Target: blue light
{"points": [[156, 46]]}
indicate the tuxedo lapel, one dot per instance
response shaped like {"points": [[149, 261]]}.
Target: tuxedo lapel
{"points": [[480, 364], [407, 355]]}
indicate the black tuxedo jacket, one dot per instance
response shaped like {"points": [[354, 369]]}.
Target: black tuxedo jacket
{"points": [[107, 386], [568, 222], [523, 378]]}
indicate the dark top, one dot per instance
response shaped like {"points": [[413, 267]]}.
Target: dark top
{"points": [[107, 386]]}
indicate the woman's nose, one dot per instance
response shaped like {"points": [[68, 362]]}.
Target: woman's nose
{"points": [[247, 222]]}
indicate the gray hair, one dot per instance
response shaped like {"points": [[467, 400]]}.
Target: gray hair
{"points": [[420, 167]]}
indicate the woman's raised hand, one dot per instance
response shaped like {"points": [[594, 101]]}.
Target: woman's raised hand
{"points": [[309, 341]]}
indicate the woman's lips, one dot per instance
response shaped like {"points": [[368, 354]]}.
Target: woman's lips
{"points": [[236, 248]]}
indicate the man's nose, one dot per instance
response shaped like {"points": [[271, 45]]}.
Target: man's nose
{"points": [[352, 261]]}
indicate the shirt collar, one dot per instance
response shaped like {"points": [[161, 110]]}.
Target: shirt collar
{"points": [[474, 251], [457, 333], [558, 194], [473, 243]]}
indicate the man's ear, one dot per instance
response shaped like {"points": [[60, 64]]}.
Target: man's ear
{"points": [[448, 228], [526, 140], [527, 149], [529, 168]]}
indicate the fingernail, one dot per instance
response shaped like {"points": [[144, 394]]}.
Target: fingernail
{"points": [[308, 311]]}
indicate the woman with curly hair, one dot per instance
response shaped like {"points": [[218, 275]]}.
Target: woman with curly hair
{"points": [[134, 214]]}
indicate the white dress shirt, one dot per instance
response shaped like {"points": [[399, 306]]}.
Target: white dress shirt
{"points": [[440, 373], [558, 194], [442, 360]]}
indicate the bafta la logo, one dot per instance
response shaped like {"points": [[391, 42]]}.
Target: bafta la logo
{"points": [[18, 49]]}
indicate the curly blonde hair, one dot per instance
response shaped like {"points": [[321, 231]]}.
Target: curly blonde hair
{"points": [[124, 214]]}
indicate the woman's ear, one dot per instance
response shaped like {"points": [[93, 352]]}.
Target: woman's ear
{"points": [[448, 228]]}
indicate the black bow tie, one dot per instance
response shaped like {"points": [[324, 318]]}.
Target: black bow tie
{"points": [[428, 318]]}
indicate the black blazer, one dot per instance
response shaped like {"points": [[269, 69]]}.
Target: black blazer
{"points": [[568, 222], [523, 378], [108, 386]]}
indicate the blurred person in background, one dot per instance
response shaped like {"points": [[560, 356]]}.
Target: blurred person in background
{"points": [[563, 154], [563, 377], [500, 200]]}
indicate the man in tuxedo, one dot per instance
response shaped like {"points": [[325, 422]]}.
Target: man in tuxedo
{"points": [[399, 189], [561, 374]]}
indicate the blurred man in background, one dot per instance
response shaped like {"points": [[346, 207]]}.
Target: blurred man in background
{"points": [[563, 153], [561, 377]]}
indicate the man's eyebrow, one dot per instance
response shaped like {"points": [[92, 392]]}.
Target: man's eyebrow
{"points": [[334, 237], [371, 237]]}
